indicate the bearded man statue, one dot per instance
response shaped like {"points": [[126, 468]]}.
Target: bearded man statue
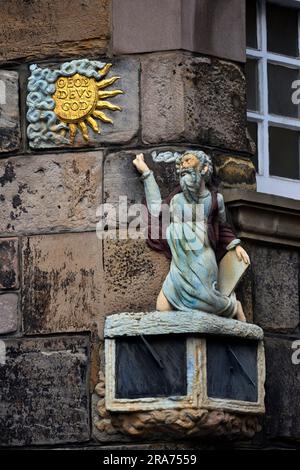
{"points": [[195, 239]]}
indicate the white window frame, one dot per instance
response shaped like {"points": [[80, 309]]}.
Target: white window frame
{"points": [[267, 183]]}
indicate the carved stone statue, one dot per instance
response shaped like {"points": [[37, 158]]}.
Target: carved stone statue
{"points": [[194, 245]]}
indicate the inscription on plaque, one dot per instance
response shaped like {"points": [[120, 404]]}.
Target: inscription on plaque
{"points": [[75, 97], [79, 100]]}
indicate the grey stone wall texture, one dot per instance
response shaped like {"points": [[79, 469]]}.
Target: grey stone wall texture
{"points": [[58, 281]]}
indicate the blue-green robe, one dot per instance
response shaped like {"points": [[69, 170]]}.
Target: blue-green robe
{"points": [[192, 282]]}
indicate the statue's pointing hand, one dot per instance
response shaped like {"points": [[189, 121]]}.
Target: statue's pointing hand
{"points": [[139, 163]]}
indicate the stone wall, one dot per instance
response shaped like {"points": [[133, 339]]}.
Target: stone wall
{"points": [[275, 296], [269, 227], [58, 281]]}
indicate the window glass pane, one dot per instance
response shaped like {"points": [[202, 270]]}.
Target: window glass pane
{"points": [[252, 129], [280, 81], [284, 152], [282, 30], [252, 84], [251, 32]]}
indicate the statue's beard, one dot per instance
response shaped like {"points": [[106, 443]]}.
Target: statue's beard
{"points": [[190, 182]]}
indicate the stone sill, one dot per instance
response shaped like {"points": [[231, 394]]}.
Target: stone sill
{"points": [[264, 217], [192, 322]]}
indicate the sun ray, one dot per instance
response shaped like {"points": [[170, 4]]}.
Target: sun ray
{"points": [[108, 94], [105, 69], [107, 82], [102, 116], [84, 130], [73, 130], [108, 105], [93, 124]]}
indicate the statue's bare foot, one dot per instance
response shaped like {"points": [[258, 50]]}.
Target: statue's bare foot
{"points": [[239, 314], [162, 303]]}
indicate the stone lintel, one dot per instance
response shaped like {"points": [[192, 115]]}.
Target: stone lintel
{"points": [[175, 322], [264, 217]]}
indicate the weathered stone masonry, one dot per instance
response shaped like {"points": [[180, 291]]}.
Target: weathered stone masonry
{"points": [[58, 281]]}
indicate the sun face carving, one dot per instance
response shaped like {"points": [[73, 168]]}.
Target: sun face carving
{"points": [[80, 100]]}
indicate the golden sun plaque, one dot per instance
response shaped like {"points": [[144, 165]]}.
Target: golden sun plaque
{"points": [[79, 100]]}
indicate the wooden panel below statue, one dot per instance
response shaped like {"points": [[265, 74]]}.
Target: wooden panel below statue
{"points": [[232, 369], [151, 366]]}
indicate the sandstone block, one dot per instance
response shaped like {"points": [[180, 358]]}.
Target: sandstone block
{"points": [[122, 179], [201, 26], [44, 391], [44, 193], [62, 288], [8, 313], [9, 263], [133, 275], [10, 135], [275, 288], [53, 28], [235, 172], [282, 419], [195, 99]]}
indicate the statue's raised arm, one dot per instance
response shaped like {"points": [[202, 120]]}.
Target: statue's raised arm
{"points": [[152, 191]]}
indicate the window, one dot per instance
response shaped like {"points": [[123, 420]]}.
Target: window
{"points": [[273, 87], [156, 361]]}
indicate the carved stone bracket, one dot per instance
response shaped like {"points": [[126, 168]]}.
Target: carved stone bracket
{"points": [[179, 424]]}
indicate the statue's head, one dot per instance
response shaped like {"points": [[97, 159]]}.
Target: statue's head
{"points": [[195, 161], [193, 166]]}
